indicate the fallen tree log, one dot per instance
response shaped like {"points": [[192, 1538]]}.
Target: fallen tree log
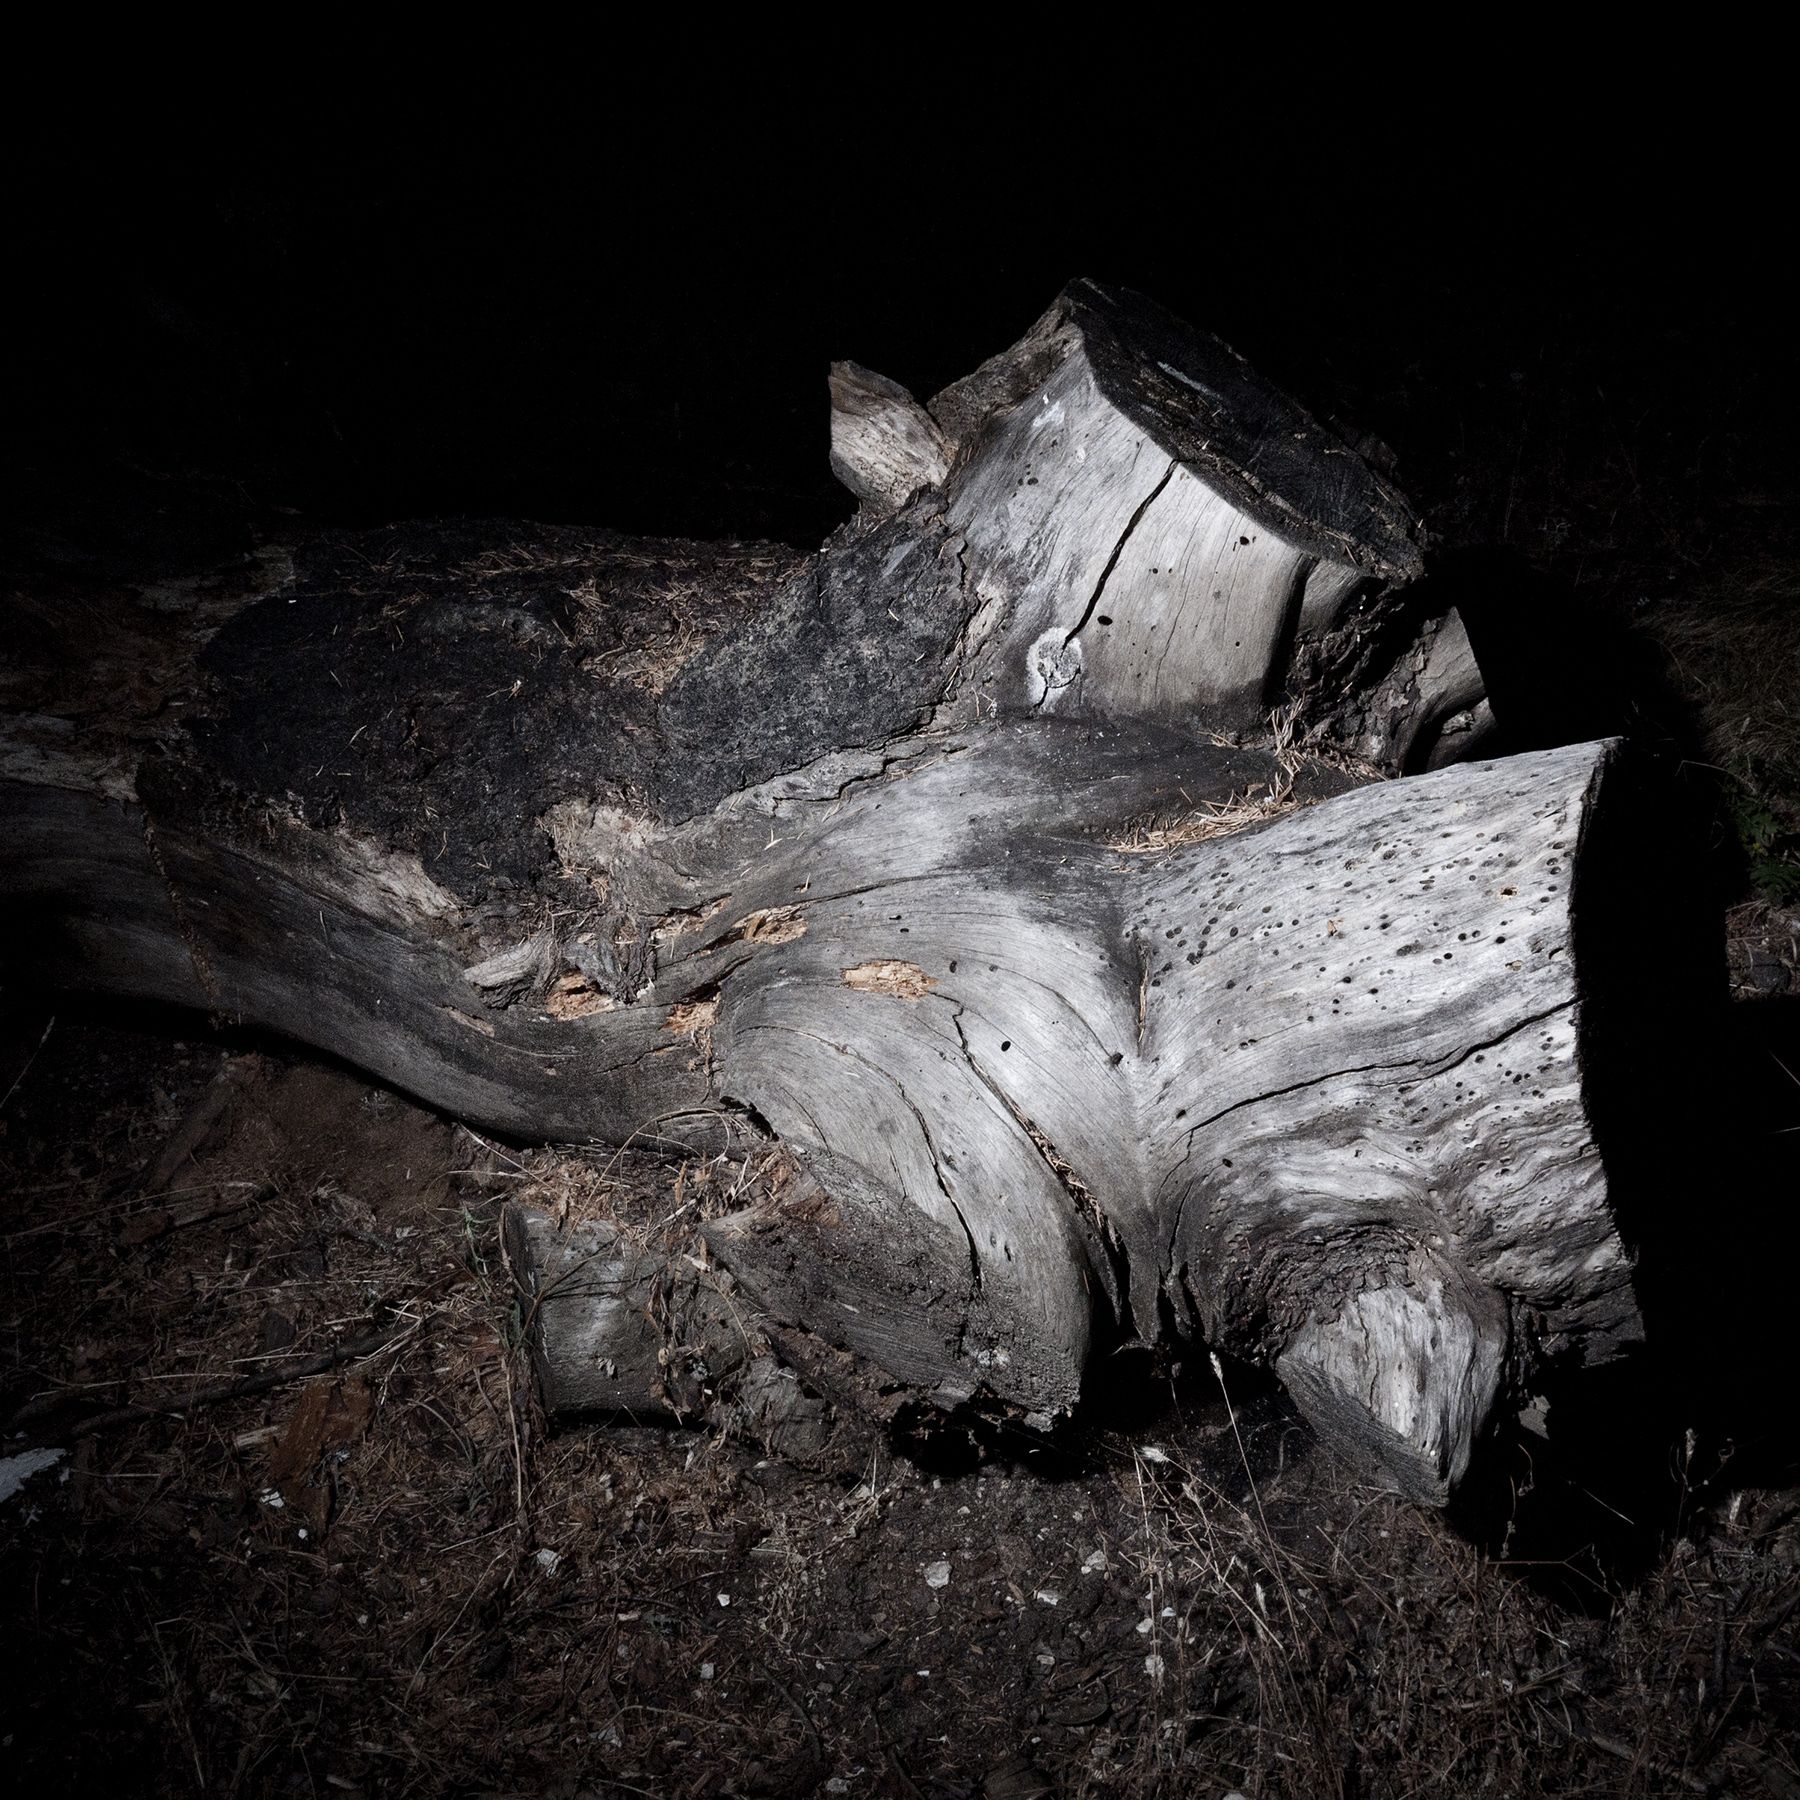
{"points": [[1018, 863]]}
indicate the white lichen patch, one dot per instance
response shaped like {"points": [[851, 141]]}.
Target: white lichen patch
{"points": [[1051, 666]]}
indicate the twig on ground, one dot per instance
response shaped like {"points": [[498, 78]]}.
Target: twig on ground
{"points": [[26, 1070], [215, 1393], [1581, 1734]]}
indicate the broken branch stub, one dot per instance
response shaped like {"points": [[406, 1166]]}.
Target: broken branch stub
{"points": [[959, 859], [620, 1330], [885, 446]]}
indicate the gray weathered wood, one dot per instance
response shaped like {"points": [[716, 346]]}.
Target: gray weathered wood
{"points": [[1156, 533], [622, 1331], [885, 446], [962, 859]]}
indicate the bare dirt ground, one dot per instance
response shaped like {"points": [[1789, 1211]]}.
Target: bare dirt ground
{"points": [[387, 1578]]}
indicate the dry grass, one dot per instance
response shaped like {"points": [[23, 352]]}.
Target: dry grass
{"points": [[1337, 1641], [331, 1578], [1159, 834], [1162, 833], [1736, 655], [1732, 654], [391, 1580]]}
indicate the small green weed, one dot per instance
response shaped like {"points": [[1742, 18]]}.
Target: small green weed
{"points": [[1762, 802]]}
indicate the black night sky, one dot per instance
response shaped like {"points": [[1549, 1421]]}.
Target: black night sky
{"points": [[628, 323]]}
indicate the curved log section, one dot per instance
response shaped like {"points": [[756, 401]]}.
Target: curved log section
{"points": [[960, 859]]}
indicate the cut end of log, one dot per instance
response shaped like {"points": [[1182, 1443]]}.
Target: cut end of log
{"points": [[1203, 404], [1195, 400], [1162, 534], [1403, 1378]]}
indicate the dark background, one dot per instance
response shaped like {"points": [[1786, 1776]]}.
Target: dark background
{"points": [[1569, 316]]}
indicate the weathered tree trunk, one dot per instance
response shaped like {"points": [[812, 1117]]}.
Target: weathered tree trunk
{"points": [[974, 860]]}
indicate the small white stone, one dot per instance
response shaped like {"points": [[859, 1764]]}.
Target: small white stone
{"points": [[724, 1599], [15, 1471], [548, 1559], [1153, 1666], [937, 1575]]}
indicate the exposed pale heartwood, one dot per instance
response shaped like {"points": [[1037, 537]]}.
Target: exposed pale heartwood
{"points": [[1018, 864]]}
